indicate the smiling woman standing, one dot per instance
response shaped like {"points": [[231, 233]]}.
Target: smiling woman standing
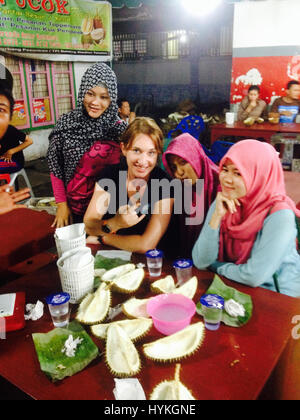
{"points": [[250, 231], [83, 142], [137, 220]]}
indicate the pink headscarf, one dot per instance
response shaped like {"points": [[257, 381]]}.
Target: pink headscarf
{"points": [[190, 149], [262, 173]]}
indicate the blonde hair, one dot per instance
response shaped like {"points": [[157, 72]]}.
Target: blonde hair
{"points": [[143, 125]]}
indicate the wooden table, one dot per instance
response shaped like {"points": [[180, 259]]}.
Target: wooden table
{"points": [[265, 130], [233, 363]]}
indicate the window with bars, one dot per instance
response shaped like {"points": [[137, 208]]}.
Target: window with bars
{"points": [[42, 91], [131, 46]]}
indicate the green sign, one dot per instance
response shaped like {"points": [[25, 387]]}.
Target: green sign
{"points": [[75, 28]]}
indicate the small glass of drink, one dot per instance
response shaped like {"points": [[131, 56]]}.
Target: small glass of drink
{"points": [[154, 262], [58, 304], [212, 309], [183, 268]]}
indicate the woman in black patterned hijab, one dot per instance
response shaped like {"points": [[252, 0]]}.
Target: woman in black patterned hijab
{"points": [[83, 142]]}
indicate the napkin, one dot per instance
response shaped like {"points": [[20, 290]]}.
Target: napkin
{"points": [[70, 232], [76, 258], [128, 389], [35, 311]]}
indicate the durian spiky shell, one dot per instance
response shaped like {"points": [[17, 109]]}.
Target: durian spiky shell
{"points": [[171, 348], [119, 284], [157, 393], [130, 313], [116, 272], [188, 289], [117, 348], [135, 328], [165, 285], [96, 300]]}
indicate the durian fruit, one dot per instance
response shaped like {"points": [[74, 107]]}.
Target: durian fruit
{"points": [[136, 308], [249, 121], [116, 272], [172, 390], [260, 120], [134, 328], [176, 346], [98, 272], [166, 285], [95, 306], [122, 357], [188, 289], [129, 282]]}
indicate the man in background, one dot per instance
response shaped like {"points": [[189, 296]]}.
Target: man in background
{"points": [[288, 106], [124, 111]]}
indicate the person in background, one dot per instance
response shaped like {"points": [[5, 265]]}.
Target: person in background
{"points": [[288, 106], [124, 111], [83, 142], [9, 199], [12, 140], [138, 221], [250, 232], [252, 105], [185, 159]]}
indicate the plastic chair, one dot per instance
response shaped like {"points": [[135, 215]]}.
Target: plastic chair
{"points": [[218, 150], [4, 177], [14, 176], [193, 124]]}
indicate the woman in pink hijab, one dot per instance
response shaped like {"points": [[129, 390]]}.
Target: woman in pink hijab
{"points": [[186, 160], [250, 230]]}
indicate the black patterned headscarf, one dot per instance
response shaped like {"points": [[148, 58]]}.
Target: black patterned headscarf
{"points": [[76, 131]]}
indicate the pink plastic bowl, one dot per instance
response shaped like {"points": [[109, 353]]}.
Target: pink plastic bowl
{"points": [[171, 312]]}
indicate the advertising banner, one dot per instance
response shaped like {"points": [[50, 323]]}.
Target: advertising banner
{"points": [[72, 30]]}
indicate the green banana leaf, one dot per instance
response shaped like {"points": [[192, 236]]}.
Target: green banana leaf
{"points": [[55, 364], [219, 288], [108, 263]]}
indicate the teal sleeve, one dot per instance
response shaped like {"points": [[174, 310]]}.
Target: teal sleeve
{"points": [[206, 248], [272, 244]]}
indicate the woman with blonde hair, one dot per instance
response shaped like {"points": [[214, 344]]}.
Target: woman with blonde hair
{"points": [[129, 209]]}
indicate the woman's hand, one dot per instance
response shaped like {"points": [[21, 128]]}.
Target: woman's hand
{"points": [[63, 216], [223, 206], [9, 198], [7, 156], [126, 216]]}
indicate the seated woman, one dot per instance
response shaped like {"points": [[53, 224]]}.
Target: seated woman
{"points": [[185, 159], [12, 140], [250, 232], [128, 200], [252, 105]]}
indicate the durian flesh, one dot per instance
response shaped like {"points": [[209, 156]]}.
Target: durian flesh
{"points": [[134, 328], [167, 285], [116, 272], [94, 307], [172, 390], [136, 308], [129, 282], [176, 346], [121, 355]]}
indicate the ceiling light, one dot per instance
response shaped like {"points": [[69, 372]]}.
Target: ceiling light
{"points": [[201, 7]]}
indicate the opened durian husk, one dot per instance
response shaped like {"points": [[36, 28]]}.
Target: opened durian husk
{"points": [[135, 308], [116, 272], [176, 346], [173, 390], [165, 285], [134, 328], [188, 289], [122, 357], [94, 307], [129, 282]]}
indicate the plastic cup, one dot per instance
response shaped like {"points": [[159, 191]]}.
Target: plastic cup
{"points": [[212, 308], [154, 262], [229, 118], [58, 304], [183, 268]]}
